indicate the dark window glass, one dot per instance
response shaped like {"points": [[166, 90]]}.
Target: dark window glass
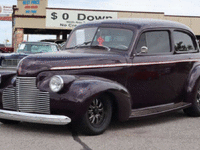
{"points": [[183, 42], [155, 41]]}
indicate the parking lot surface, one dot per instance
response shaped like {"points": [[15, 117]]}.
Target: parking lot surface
{"points": [[174, 131]]}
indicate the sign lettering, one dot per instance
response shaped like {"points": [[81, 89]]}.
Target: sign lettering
{"points": [[6, 10], [31, 6], [71, 18]]}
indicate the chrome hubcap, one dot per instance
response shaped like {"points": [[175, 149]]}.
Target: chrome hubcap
{"points": [[96, 112]]}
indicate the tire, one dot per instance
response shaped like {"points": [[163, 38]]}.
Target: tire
{"points": [[194, 110], [4, 121], [98, 116]]}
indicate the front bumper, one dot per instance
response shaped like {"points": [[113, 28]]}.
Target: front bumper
{"points": [[35, 118]]}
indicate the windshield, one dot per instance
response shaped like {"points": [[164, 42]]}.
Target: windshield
{"points": [[116, 38], [36, 48]]}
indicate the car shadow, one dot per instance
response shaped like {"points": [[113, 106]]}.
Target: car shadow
{"points": [[115, 125], [148, 121], [40, 128]]}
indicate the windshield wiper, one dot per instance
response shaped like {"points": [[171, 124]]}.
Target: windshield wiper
{"points": [[106, 47], [85, 43]]}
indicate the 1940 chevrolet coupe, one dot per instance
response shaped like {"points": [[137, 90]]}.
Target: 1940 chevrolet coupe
{"points": [[122, 68]]}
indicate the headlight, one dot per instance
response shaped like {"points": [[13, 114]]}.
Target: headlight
{"points": [[56, 83]]}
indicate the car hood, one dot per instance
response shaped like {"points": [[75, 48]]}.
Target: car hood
{"points": [[10, 59], [13, 55], [68, 59]]}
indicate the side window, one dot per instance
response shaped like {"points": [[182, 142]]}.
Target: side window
{"points": [[142, 42], [155, 41], [183, 42]]}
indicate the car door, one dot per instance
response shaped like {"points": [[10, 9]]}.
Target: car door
{"points": [[156, 76]]}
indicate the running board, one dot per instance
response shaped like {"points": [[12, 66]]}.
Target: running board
{"points": [[154, 110]]}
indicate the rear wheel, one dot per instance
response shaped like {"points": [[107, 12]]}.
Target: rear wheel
{"points": [[194, 110], [98, 116]]}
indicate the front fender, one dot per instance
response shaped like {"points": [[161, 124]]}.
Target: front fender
{"points": [[86, 88], [83, 89]]}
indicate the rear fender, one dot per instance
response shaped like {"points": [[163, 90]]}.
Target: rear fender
{"points": [[193, 79]]}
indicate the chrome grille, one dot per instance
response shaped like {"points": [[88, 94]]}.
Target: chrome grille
{"points": [[9, 99], [10, 62], [26, 97]]}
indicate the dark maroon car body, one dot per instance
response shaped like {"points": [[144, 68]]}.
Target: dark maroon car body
{"points": [[139, 84]]}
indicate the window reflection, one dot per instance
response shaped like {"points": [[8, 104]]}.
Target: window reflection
{"points": [[183, 42]]}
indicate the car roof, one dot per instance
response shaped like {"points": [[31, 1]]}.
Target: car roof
{"points": [[140, 23], [46, 43], [57, 41]]}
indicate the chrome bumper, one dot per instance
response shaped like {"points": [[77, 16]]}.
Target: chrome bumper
{"points": [[35, 118]]}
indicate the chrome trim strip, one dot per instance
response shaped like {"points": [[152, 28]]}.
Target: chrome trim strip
{"points": [[8, 68], [35, 118], [121, 65]]}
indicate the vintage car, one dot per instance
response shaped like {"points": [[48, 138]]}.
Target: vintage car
{"points": [[5, 49], [60, 42], [122, 69], [10, 61]]}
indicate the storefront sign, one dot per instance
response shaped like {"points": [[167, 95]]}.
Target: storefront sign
{"points": [[6, 10], [31, 6], [0, 9], [71, 18]]}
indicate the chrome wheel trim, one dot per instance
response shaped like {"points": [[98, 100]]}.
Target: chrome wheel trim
{"points": [[96, 112]]}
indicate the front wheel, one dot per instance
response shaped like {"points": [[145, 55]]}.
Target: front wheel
{"points": [[98, 116]]}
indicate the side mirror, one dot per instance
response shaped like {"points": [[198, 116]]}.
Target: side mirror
{"points": [[144, 49]]}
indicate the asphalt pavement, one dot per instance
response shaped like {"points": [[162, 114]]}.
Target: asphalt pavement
{"points": [[174, 131]]}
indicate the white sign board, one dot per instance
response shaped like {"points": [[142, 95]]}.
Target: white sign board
{"points": [[69, 19], [5, 9]]}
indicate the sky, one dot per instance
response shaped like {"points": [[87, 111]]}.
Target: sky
{"points": [[169, 7]]}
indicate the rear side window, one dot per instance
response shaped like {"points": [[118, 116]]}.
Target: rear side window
{"points": [[183, 42], [155, 41]]}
